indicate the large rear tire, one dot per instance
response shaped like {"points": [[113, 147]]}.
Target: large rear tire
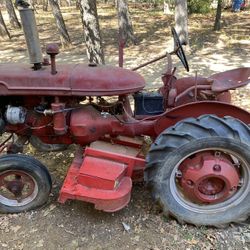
{"points": [[199, 170]]}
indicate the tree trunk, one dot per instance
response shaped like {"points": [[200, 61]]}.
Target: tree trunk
{"points": [[77, 4], [217, 23], [69, 3], [181, 20], [125, 24], [12, 14], [166, 8], [45, 5], [32, 3], [92, 33], [64, 36], [3, 29]]}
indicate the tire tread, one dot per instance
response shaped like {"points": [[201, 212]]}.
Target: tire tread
{"points": [[186, 131]]}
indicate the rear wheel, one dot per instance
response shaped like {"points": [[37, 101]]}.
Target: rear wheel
{"points": [[25, 183], [199, 170]]}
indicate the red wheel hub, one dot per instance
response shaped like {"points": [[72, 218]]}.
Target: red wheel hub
{"points": [[209, 178], [18, 184]]}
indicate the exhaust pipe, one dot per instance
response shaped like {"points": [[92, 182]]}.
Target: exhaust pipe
{"points": [[31, 36]]}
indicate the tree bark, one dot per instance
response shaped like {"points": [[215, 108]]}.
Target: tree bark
{"points": [[92, 33], [181, 20], [217, 23], [32, 4], [124, 21], [69, 3], [166, 8], [45, 5], [77, 4], [3, 29], [64, 36], [12, 14]]}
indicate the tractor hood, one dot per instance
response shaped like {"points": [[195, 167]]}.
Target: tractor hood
{"points": [[70, 80]]}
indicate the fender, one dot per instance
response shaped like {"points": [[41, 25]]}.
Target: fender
{"points": [[197, 109]]}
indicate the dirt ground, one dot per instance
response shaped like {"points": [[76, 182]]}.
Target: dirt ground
{"points": [[76, 225]]}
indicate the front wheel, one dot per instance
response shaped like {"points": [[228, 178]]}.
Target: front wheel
{"points": [[25, 183], [45, 147], [199, 170]]}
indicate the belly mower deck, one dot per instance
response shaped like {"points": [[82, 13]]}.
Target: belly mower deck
{"points": [[101, 177]]}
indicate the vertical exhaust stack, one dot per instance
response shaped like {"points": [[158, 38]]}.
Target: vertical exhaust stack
{"points": [[31, 36]]}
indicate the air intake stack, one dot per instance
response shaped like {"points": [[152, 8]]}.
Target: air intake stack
{"points": [[31, 34]]}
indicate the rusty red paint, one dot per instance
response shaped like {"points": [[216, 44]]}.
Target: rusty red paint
{"points": [[197, 109], [209, 179], [183, 90], [52, 49], [14, 181], [59, 119], [230, 79], [86, 124], [130, 161], [70, 80], [104, 178], [92, 183]]}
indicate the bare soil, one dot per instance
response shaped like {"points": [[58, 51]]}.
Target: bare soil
{"points": [[76, 225]]}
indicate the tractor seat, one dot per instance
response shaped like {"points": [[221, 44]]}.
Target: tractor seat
{"points": [[230, 79]]}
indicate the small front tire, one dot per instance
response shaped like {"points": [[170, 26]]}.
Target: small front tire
{"points": [[45, 147], [25, 183]]}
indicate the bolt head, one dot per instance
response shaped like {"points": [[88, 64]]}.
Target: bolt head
{"points": [[217, 168], [52, 49], [190, 183]]}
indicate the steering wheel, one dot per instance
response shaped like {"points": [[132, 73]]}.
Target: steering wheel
{"points": [[179, 49]]}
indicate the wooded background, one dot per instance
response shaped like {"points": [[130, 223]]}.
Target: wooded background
{"points": [[180, 9]]}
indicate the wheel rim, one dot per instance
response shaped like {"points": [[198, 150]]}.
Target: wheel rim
{"points": [[17, 188], [227, 194]]}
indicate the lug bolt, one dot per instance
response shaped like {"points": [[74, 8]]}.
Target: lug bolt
{"points": [[217, 168], [241, 182], [233, 189], [178, 174], [190, 183]]}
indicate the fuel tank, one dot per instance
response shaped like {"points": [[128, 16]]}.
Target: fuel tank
{"points": [[70, 80]]}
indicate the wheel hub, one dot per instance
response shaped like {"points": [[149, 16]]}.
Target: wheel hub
{"points": [[16, 185], [211, 186], [208, 178]]}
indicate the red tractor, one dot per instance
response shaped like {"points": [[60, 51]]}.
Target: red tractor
{"points": [[198, 165]]}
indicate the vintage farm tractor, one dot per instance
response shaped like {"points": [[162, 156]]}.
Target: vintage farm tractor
{"points": [[198, 166]]}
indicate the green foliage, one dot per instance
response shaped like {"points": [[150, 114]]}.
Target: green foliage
{"points": [[199, 6]]}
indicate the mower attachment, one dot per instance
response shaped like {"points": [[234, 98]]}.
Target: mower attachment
{"points": [[101, 178]]}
